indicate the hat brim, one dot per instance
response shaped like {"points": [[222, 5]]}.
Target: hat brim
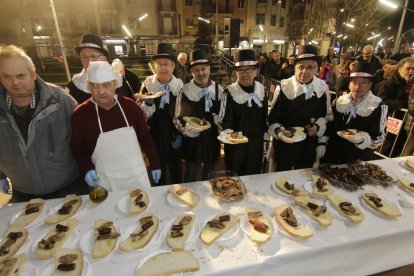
{"points": [[103, 50], [199, 63], [246, 63], [318, 59], [154, 57], [360, 75]]}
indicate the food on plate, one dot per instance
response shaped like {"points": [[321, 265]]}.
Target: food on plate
{"points": [[14, 238], [68, 262], [216, 227], [348, 132], [409, 163], [227, 188], [197, 123], [142, 235], [237, 137], [105, 238], [169, 263], [342, 177], [407, 184], [259, 225], [315, 210], [31, 211], [68, 209], [13, 266], [287, 219], [180, 231], [320, 186], [372, 172], [346, 208], [291, 134], [289, 188], [376, 202], [184, 194], [55, 238], [138, 201]]}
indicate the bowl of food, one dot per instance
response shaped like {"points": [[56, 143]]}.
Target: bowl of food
{"points": [[227, 186]]}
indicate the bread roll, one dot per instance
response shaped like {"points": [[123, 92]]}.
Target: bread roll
{"points": [[68, 262], [185, 195], [298, 230], [169, 263], [71, 204], [375, 202], [354, 215], [105, 242], [315, 210], [13, 266], [321, 188], [180, 231], [138, 202], [14, 238], [32, 210], [259, 226], [142, 235], [289, 188], [56, 237], [215, 228], [407, 184]]}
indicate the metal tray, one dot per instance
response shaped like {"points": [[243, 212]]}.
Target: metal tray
{"points": [[341, 176], [368, 172], [227, 186]]}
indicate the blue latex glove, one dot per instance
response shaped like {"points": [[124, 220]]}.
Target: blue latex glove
{"points": [[156, 175], [178, 141], [91, 178], [4, 186]]}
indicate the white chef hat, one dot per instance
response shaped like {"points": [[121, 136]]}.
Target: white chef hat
{"points": [[101, 71], [117, 65]]}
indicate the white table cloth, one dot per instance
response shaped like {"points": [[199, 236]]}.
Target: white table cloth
{"points": [[376, 245]]}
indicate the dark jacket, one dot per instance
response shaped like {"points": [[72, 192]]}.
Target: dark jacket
{"points": [[392, 92]]}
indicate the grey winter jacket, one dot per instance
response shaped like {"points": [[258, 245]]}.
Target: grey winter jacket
{"points": [[44, 164]]}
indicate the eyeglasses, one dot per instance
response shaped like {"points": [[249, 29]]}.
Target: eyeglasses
{"points": [[303, 67], [94, 57], [245, 70], [365, 84]]}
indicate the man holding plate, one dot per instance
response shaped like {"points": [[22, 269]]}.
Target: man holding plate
{"points": [[297, 119], [196, 116]]}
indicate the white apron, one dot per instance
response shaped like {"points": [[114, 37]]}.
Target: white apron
{"points": [[118, 158]]}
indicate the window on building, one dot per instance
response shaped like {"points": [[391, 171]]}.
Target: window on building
{"points": [[283, 4], [262, 1], [167, 5], [80, 20], [131, 21], [260, 18], [189, 23], [241, 23], [167, 23], [282, 22], [188, 2], [241, 4], [273, 20]]}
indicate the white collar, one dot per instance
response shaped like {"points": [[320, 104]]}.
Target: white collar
{"points": [[80, 81], [240, 96], [194, 92], [152, 84], [364, 108], [292, 88]]}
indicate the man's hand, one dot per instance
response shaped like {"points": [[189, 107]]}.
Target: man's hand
{"points": [[4, 186], [91, 178], [311, 130], [156, 175]]}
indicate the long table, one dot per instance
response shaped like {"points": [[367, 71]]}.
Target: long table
{"points": [[376, 245]]}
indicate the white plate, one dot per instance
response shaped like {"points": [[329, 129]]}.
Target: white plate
{"points": [[36, 222], [174, 201], [87, 240], [195, 230], [70, 243], [51, 268], [149, 256], [278, 191], [298, 139], [245, 225], [302, 221], [231, 233], [223, 138], [29, 270], [153, 242], [153, 96], [79, 212], [378, 213], [405, 166]]}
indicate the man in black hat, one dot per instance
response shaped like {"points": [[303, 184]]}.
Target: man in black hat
{"points": [[301, 103], [159, 93], [244, 109], [91, 49], [359, 120], [199, 98]]}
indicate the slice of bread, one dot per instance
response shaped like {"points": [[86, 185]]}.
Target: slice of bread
{"points": [[60, 237], [356, 217], [180, 231], [138, 201], [298, 132], [103, 245], [321, 191], [407, 184], [184, 194], [314, 210], [237, 137], [13, 266], [298, 231], [68, 259], [296, 191], [142, 235], [32, 210], [169, 263], [349, 132], [70, 200], [410, 162], [215, 228], [14, 238], [371, 198], [259, 226]]}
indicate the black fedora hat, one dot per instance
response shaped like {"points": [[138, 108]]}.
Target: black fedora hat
{"points": [[164, 50], [362, 69], [246, 57], [309, 52], [198, 57], [91, 41]]}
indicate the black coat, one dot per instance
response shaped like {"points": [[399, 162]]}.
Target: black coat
{"points": [[392, 92]]}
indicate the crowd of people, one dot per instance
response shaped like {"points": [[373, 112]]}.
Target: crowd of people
{"points": [[108, 129]]}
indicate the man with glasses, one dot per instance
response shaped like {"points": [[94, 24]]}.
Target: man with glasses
{"points": [[301, 101], [359, 120], [244, 109]]}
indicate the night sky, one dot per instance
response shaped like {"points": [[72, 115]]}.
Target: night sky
{"points": [[394, 18]]}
